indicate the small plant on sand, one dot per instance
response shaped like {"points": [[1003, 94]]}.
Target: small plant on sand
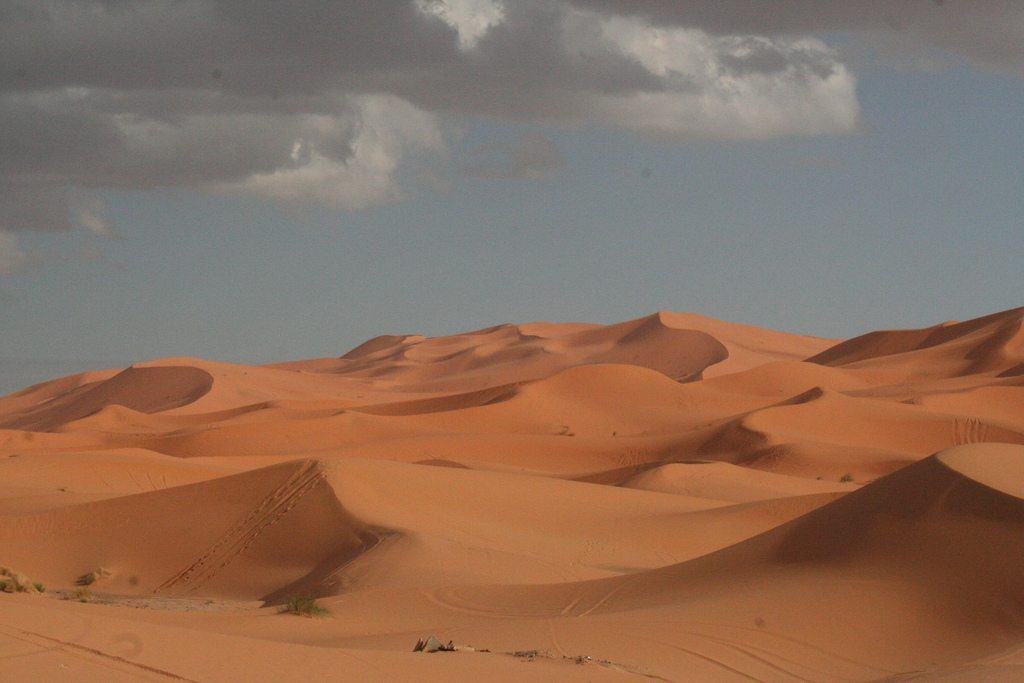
{"points": [[846, 478], [39, 587], [92, 577], [303, 606], [14, 582], [82, 595]]}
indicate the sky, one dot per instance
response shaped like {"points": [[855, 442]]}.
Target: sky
{"points": [[256, 182]]}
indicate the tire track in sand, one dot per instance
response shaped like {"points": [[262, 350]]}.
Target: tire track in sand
{"points": [[238, 538]]}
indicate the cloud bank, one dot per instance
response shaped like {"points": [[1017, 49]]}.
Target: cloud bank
{"points": [[989, 33], [326, 102]]}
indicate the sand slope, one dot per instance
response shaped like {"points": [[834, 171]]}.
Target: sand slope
{"points": [[671, 497], [722, 481], [682, 346], [991, 344], [862, 588]]}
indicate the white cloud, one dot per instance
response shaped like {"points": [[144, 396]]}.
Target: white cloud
{"points": [[990, 33], [329, 102], [721, 86], [325, 102], [381, 131], [471, 19]]}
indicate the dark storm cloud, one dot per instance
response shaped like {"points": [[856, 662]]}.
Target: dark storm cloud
{"points": [[324, 101], [212, 94], [268, 50]]}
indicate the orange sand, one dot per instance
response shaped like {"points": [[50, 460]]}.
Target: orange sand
{"points": [[672, 497]]}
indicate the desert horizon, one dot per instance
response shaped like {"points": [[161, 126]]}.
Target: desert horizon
{"points": [[671, 497]]}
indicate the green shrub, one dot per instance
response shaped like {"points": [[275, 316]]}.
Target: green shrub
{"points": [[303, 606], [846, 478], [39, 587]]}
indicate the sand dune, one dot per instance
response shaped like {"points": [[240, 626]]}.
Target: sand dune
{"points": [[45, 480], [991, 344], [38, 394], [142, 389], [833, 419], [862, 588], [681, 346], [244, 535], [748, 346], [671, 497], [783, 379], [270, 523], [1001, 403], [722, 481]]}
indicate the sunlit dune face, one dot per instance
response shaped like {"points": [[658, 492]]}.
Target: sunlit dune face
{"points": [[527, 486]]}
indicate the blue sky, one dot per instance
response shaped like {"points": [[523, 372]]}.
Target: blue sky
{"points": [[911, 220]]}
